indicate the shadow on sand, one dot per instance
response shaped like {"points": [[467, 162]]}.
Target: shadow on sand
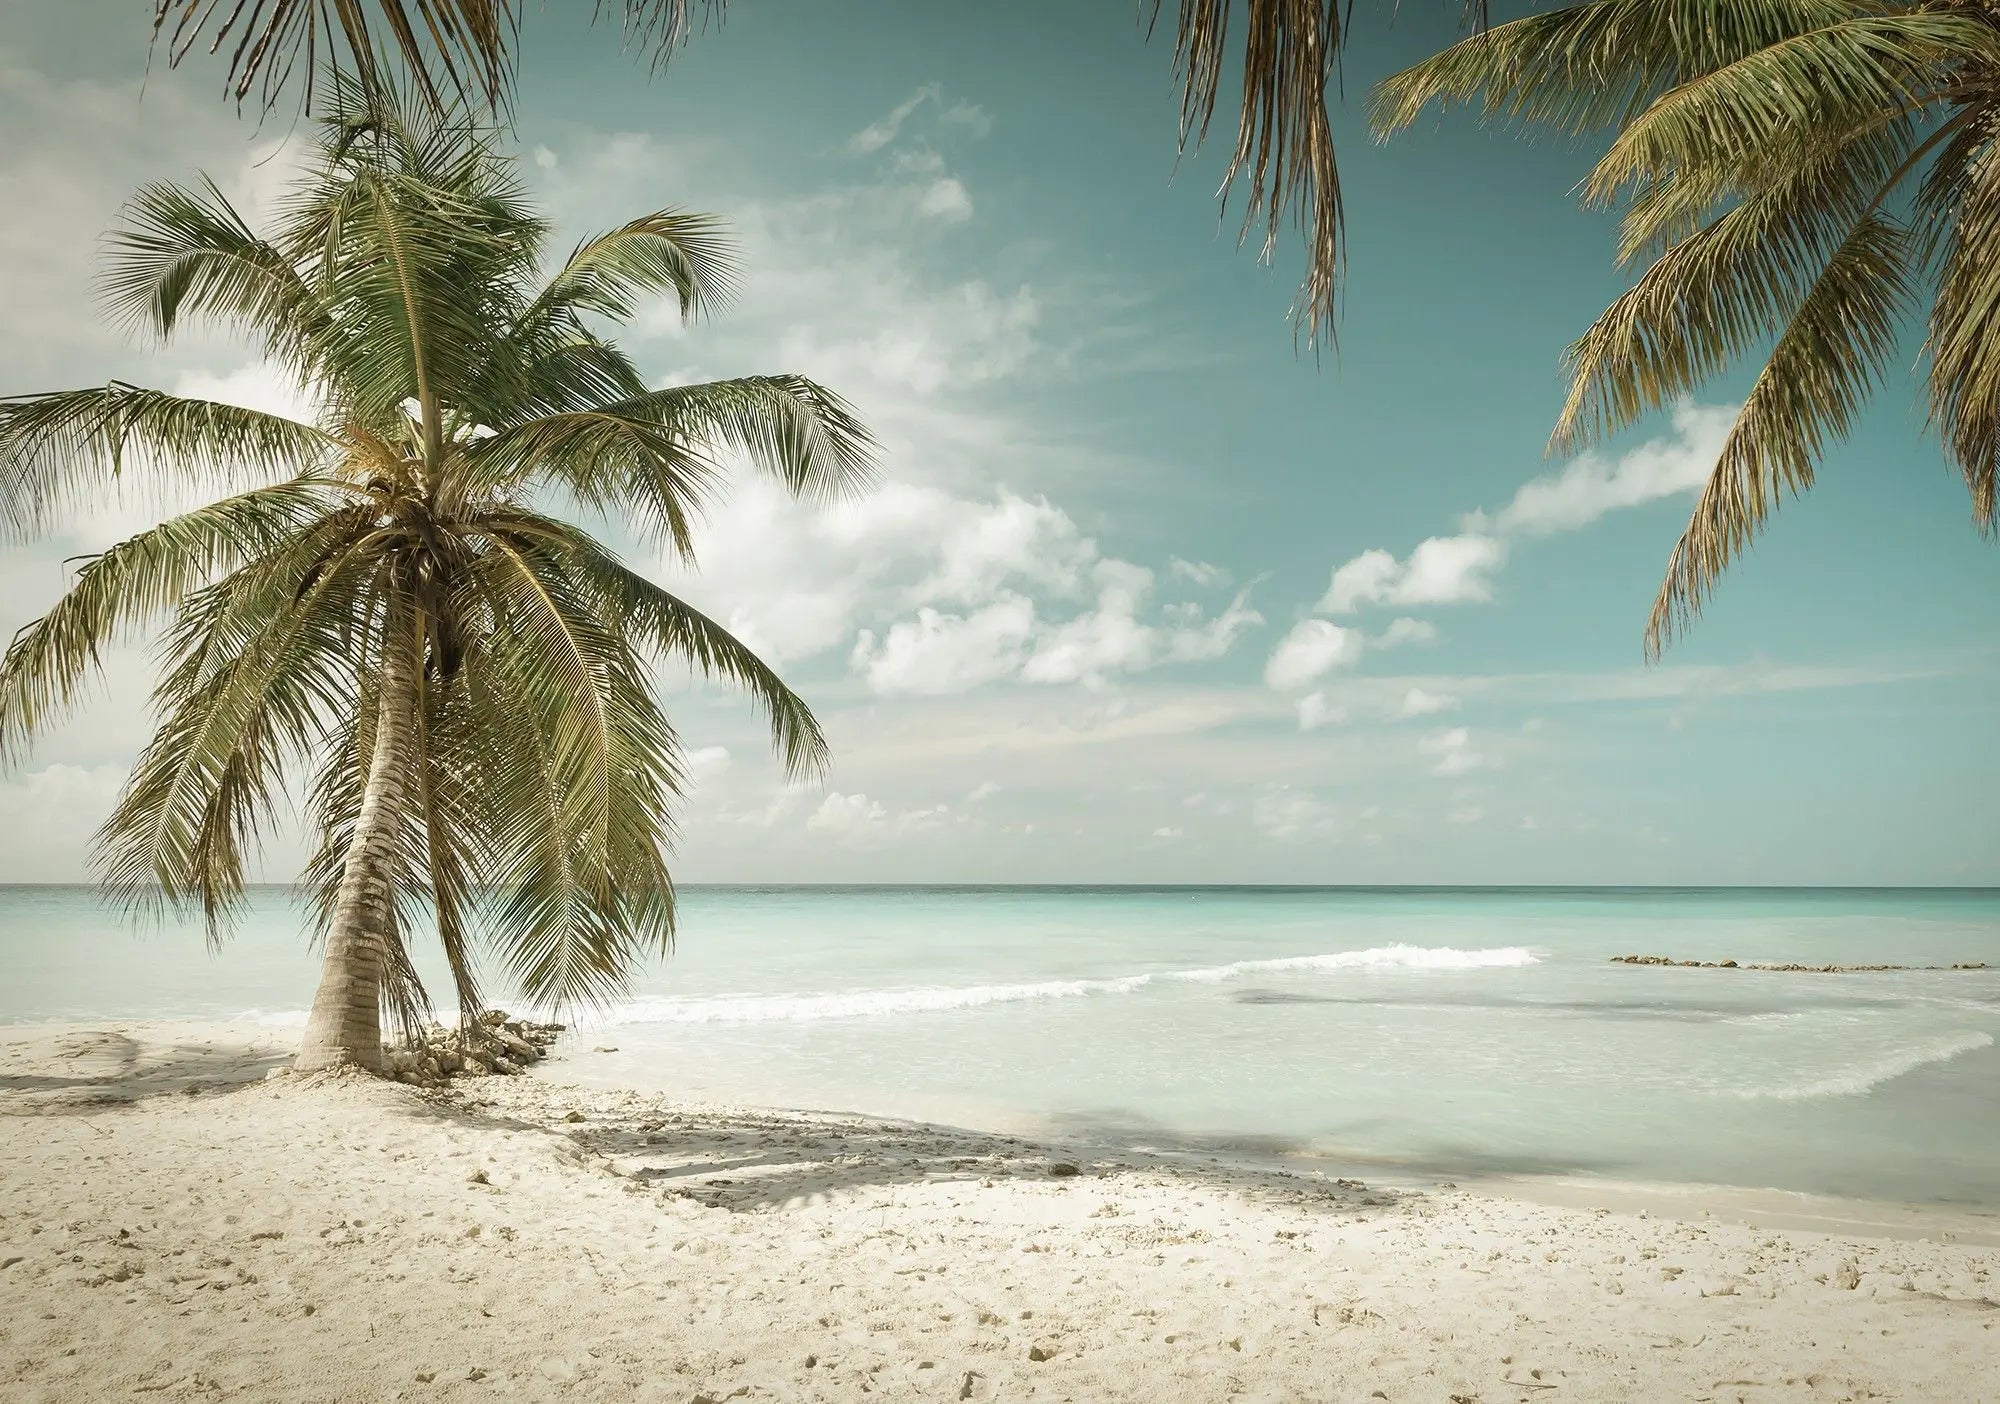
{"points": [[747, 1160], [89, 1069]]}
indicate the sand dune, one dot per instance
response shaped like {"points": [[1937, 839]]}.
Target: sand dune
{"points": [[174, 1227]]}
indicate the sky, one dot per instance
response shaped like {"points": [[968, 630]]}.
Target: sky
{"points": [[1142, 593]]}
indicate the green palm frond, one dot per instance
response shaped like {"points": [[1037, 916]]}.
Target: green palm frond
{"points": [[1724, 289], [121, 591], [468, 685], [668, 251], [1824, 366], [674, 630], [59, 451], [1582, 68], [1793, 175], [452, 55], [1813, 89], [231, 719]]}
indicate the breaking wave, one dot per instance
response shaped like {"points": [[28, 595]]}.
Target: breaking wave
{"points": [[1861, 1081], [860, 1004]]}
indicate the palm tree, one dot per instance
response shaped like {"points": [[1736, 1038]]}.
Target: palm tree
{"points": [[452, 49], [1793, 177], [382, 602]]}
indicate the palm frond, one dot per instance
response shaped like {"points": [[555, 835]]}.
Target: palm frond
{"points": [[1723, 290], [1963, 208], [232, 718], [673, 629], [60, 450], [1284, 134], [579, 846], [668, 251], [1818, 375], [122, 590], [1585, 67], [1821, 87]]}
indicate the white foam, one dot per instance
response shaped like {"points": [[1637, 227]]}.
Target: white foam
{"points": [[857, 1004], [1861, 1081]]}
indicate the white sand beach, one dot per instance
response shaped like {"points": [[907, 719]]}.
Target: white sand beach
{"points": [[173, 1226]]}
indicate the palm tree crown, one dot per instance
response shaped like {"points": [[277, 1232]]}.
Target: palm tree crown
{"points": [[382, 601], [1792, 176]]}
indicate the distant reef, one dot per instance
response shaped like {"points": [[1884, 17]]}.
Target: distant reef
{"points": [[1789, 966]]}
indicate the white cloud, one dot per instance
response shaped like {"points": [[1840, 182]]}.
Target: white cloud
{"points": [[974, 118], [946, 199], [1442, 570], [1406, 631], [1285, 814], [707, 762], [1311, 649], [1459, 569], [1590, 486], [984, 790], [1167, 833], [1197, 572], [1419, 703], [887, 128], [1315, 712], [1467, 814], [1452, 752], [846, 816], [940, 653]]}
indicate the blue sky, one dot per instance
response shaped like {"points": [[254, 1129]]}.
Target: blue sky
{"points": [[1143, 594]]}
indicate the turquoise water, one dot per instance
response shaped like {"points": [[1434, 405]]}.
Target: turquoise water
{"points": [[1437, 1032]]}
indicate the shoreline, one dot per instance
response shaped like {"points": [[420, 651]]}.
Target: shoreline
{"points": [[176, 1223], [267, 1048]]}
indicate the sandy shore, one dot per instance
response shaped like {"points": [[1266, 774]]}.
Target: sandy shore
{"points": [[173, 1226]]}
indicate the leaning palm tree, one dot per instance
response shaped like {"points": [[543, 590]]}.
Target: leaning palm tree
{"points": [[454, 49], [1793, 178], [384, 603]]}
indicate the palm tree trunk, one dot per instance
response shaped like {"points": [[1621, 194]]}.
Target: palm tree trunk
{"points": [[345, 1028]]}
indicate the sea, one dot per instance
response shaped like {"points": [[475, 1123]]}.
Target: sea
{"points": [[1412, 1032]]}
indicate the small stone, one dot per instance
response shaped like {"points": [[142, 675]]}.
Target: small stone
{"points": [[1063, 1169], [1847, 1277], [1041, 1351], [475, 1374], [555, 1368], [605, 1048], [477, 1177], [575, 1116]]}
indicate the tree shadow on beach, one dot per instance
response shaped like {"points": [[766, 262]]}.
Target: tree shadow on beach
{"points": [[772, 1160], [86, 1070]]}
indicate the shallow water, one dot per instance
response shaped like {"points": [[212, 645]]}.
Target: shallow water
{"points": [[1447, 1032]]}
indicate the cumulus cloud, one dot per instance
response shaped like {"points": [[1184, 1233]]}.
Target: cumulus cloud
{"points": [[1315, 711], [1442, 570], [1417, 702], [938, 653], [707, 762], [1406, 631], [846, 816], [946, 199], [1197, 572], [1459, 569], [1590, 486], [1451, 752], [1310, 650]]}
